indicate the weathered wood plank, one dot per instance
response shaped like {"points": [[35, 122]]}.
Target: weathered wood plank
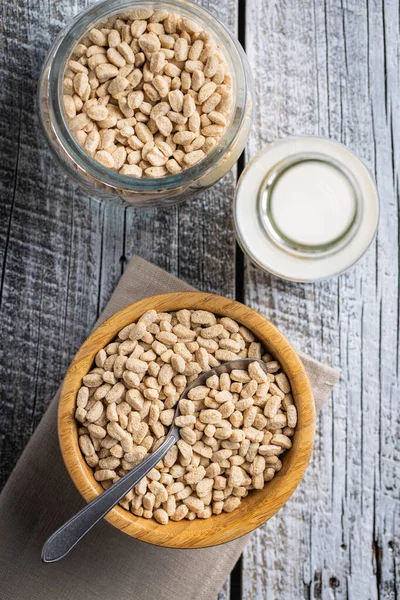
{"points": [[50, 235], [61, 252], [333, 69], [60, 245]]}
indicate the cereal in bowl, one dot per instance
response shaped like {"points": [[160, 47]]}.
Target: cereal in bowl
{"points": [[233, 429]]}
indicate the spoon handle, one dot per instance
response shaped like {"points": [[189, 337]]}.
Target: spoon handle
{"points": [[68, 535]]}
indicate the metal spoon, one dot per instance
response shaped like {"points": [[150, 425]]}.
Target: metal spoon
{"points": [[61, 542]]}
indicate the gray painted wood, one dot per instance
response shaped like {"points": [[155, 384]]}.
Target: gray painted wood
{"points": [[332, 69], [61, 252], [329, 68]]}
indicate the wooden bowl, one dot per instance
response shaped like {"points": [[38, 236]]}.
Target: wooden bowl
{"points": [[259, 505]]}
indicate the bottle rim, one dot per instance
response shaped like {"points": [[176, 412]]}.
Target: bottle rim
{"points": [[272, 229], [277, 260]]}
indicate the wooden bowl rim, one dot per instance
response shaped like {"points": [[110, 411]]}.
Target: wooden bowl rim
{"points": [[257, 507]]}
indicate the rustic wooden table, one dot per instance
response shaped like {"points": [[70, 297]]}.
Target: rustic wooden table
{"points": [[328, 68]]}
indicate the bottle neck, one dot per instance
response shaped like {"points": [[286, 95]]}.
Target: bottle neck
{"points": [[309, 205]]}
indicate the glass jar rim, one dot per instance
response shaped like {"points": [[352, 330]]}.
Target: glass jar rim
{"points": [[62, 49]]}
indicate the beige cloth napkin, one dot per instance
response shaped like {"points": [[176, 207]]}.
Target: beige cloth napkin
{"points": [[107, 564]]}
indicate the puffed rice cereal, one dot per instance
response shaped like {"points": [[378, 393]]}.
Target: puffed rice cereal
{"points": [[147, 93], [234, 429]]}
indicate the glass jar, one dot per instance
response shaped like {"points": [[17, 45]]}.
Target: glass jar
{"points": [[122, 189]]}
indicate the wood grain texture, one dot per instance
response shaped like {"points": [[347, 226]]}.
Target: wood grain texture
{"points": [[326, 67], [61, 253], [332, 68], [258, 506]]}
